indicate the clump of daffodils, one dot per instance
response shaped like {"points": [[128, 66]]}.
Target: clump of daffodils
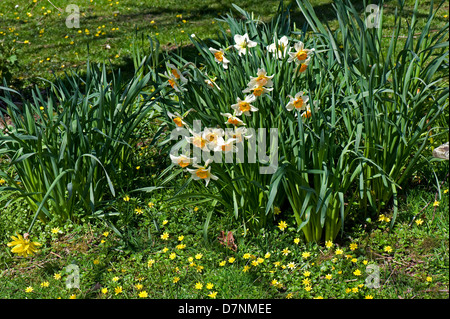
{"points": [[228, 137], [22, 246]]}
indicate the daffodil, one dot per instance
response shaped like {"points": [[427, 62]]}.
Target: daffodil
{"points": [[177, 119], [176, 73], [198, 140], [232, 119], [244, 106], [300, 54], [182, 160], [23, 246], [202, 172], [213, 137], [279, 48], [261, 79], [303, 65], [257, 90], [242, 43], [298, 102], [219, 57]]}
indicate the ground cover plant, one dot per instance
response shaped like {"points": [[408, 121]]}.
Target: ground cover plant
{"points": [[99, 202]]}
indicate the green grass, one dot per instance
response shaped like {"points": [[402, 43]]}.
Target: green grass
{"points": [[417, 266], [52, 48]]}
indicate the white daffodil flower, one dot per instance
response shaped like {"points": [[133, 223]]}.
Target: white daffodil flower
{"points": [[279, 49], [232, 119], [198, 140], [176, 73], [257, 90], [261, 80], [300, 54], [177, 118], [298, 102], [182, 160], [242, 43], [219, 57], [244, 106], [238, 134], [212, 136], [202, 172]]}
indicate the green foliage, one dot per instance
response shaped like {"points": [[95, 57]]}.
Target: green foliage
{"points": [[370, 115], [72, 146]]}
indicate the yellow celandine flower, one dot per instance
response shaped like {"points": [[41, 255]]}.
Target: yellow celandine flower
{"points": [[267, 255], [55, 230], [172, 256], [282, 225], [308, 288], [246, 268], [115, 279], [57, 276], [165, 236], [209, 285], [198, 256], [212, 294], [339, 251], [104, 291], [286, 251], [199, 268], [138, 210], [118, 290], [139, 286], [296, 240], [180, 238], [306, 281], [74, 296], [23, 246], [150, 263], [246, 256], [126, 198], [328, 244], [419, 222], [45, 284], [306, 254], [289, 295], [29, 289], [223, 263], [198, 286], [106, 234], [328, 276], [429, 279], [181, 246], [387, 249], [276, 210], [436, 203], [175, 279], [355, 289], [357, 272], [291, 265], [165, 221], [231, 260], [353, 246], [369, 297], [2, 181], [143, 294]]}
